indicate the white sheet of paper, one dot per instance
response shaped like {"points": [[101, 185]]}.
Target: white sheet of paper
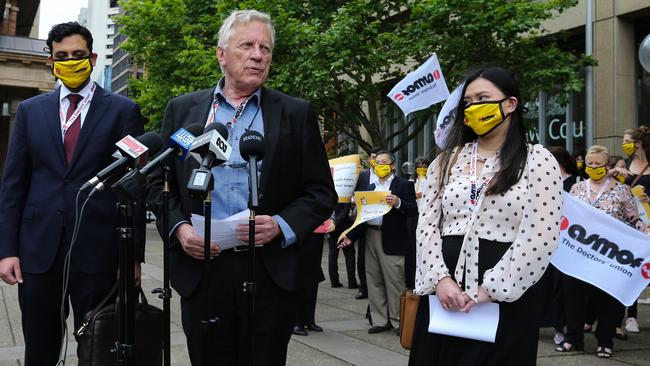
{"points": [[480, 323], [223, 232]]}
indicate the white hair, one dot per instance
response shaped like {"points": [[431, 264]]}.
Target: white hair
{"points": [[243, 17]]}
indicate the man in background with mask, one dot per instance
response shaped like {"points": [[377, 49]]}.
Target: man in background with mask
{"points": [[387, 241], [61, 140]]}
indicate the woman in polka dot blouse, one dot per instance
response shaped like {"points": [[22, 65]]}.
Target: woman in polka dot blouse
{"points": [[488, 227]]}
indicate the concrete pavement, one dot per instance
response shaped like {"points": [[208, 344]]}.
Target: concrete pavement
{"points": [[345, 340]]}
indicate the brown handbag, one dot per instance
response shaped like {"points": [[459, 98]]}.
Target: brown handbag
{"points": [[409, 303], [98, 333]]}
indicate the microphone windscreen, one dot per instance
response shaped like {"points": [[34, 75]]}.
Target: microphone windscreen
{"points": [[223, 131], [195, 129], [251, 144], [152, 141]]}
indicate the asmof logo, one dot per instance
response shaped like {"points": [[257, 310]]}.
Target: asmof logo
{"points": [[398, 97]]}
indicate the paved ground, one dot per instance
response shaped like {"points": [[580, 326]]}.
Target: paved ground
{"points": [[345, 340]]}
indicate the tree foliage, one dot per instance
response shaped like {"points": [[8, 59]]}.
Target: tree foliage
{"points": [[345, 55]]}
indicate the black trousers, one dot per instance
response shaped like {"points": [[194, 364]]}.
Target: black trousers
{"points": [[307, 309], [226, 343], [39, 297], [607, 309], [332, 257]]}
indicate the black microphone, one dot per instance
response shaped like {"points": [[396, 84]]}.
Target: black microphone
{"points": [[130, 150], [251, 148], [179, 144]]}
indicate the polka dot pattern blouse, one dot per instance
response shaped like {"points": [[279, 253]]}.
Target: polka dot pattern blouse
{"points": [[527, 215]]}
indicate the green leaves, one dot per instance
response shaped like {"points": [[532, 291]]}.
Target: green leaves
{"points": [[345, 55]]}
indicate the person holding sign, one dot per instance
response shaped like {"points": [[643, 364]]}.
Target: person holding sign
{"points": [[488, 228], [610, 196], [386, 242]]}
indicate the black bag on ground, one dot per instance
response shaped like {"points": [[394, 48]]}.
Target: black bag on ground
{"points": [[100, 330]]}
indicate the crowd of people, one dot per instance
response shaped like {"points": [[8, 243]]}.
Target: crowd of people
{"points": [[477, 224]]}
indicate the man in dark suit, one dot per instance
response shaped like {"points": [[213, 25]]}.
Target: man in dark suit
{"points": [[61, 140], [297, 195], [342, 222], [386, 243]]}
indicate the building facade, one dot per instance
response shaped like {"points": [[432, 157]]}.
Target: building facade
{"points": [[24, 71], [98, 17]]}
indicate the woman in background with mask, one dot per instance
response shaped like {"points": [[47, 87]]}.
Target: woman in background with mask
{"points": [[488, 227], [636, 141], [605, 193], [421, 166]]}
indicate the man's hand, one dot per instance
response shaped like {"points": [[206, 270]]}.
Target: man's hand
{"points": [[10, 271], [266, 229], [482, 297], [418, 195], [193, 244], [345, 242], [450, 296], [392, 200]]}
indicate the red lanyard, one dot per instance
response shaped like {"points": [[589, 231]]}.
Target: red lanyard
{"points": [[65, 125], [215, 107]]}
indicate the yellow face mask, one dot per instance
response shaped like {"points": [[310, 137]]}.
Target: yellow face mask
{"points": [[372, 163], [382, 170], [422, 172], [629, 149], [483, 117], [620, 178], [596, 173], [72, 73], [580, 164]]}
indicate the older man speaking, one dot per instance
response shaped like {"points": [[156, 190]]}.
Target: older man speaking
{"points": [[296, 195]]}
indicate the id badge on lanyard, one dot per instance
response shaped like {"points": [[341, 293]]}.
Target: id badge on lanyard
{"points": [[215, 108], [65, 125]]}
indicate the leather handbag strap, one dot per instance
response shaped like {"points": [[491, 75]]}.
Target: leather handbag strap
{"points": [[96, 310], [638, 176]]}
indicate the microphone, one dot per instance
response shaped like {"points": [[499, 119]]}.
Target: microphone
{"points": [[129, 150], [251, 148], [179, 144], [211, 148]]}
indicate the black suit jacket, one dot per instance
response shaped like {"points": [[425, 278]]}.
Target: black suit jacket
{"points": [[295, 183], [394, 232], [37, 203]]}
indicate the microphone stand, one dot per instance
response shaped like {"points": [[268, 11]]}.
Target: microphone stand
{"points": [[125, 347], [248, 287], [165, 293], [208, 323]]}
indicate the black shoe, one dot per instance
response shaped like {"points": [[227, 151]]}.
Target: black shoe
{"points": [[298, 330], [378, 329], [398, 332], [362, 294], [314, 327], [337, 284]]}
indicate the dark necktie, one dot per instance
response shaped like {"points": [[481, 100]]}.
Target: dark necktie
{"points": [[72, 134]]}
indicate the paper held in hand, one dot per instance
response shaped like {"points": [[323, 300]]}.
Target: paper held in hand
{"points": [[370, 204], [480, 323], [345, 173], [222, 232]]}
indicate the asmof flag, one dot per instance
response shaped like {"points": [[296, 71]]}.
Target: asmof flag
{"points": [[420, 88]]}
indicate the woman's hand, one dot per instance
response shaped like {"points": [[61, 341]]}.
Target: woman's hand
{"points": [[450, 296], [482, 297], [618, 171]]}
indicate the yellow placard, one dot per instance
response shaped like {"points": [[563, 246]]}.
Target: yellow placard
{"points": [[345, 173], [370, 204]]}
